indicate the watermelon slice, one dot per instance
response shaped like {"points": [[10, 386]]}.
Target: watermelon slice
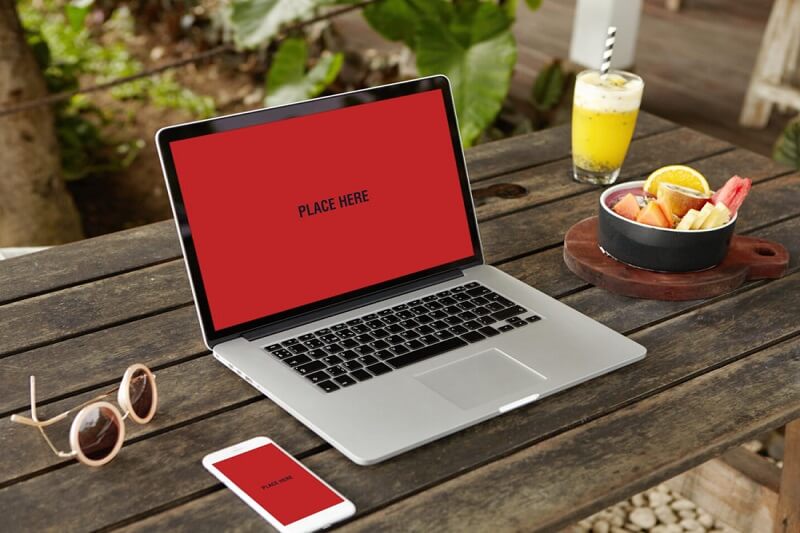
{"points": [[733, 193]]}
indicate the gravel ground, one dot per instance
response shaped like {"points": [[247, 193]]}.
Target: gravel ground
{"points": [[660, 510]]}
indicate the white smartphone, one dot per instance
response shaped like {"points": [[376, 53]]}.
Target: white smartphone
{"points": [[278, 487]]}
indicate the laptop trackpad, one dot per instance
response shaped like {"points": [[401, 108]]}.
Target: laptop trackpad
{"points": [[481, 378]]}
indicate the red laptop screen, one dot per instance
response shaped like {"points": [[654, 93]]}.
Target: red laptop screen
{"points": [[300, 210]]}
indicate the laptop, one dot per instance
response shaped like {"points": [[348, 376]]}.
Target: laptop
{"points": [[336, 264]]}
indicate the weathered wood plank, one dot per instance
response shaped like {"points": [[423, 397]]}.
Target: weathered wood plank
{"points": [[716, 342], [494, 158], [58, 315], [728, 494], [551, 181], [522, 232], [556, 482], [87, 361], [86, 260]]}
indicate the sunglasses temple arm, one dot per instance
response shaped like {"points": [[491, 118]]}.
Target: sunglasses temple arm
{"points": [[33, 399], [52, 446]]}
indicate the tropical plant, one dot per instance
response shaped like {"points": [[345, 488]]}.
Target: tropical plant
{"points": [[470, 41], [288, 81], [787, 148], [65, 50]]}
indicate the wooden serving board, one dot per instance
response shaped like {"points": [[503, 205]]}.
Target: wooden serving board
{"points": [[748, 258]]}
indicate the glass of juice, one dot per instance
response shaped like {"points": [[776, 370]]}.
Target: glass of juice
{"points": [[604, 114]]}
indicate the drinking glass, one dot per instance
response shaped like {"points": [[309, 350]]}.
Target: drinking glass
{"points": [[604, 114]]}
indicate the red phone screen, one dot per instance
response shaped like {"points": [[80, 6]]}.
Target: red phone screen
{"points": [[304, 209], [278, 483]]}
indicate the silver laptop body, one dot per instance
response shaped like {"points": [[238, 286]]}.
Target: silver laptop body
{"points": [[521, 357]]}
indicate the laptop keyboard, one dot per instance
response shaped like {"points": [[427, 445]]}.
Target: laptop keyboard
{"points": [[360, 349]]}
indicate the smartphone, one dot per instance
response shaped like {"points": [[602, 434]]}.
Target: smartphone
{"points": [[277, 486]]}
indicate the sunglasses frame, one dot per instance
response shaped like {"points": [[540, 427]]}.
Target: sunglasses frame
{"points": [[124, 400]]}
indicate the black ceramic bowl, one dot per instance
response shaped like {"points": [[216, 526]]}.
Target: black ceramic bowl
{"points": [[659, 249]]}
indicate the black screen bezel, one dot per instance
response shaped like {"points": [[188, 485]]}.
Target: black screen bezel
{"points": [[170, 134]]}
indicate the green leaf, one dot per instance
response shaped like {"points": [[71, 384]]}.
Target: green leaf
{"points": [[510, 8], [76, 11], [533, 5], [396, 20], [287, 80], [548, 88], [787, 147], [258, 21], [477, 52]]}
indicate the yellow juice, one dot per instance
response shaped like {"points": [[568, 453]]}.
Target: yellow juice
{"points": [[600, 139], [604, 115]]}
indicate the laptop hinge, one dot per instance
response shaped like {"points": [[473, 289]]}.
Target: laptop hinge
{"points": [[326, 312]]}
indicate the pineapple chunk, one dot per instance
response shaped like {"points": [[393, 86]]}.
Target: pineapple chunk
{"points": [[688, 219], [702, 216], [719, 215]]}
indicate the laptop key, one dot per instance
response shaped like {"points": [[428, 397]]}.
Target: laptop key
{"points": [[344, 381], [472, 336], [291, 342], [408, 324], [323, 331], [426, 352], [414, 345], [461, 296], [409, 334], [508, 313], [332, 360], [335, 370], [348, 355], [346, 333], [379, 333], [371, 316], [413, 303], [399, 349], [458, 330], [391, 319], [364, 349], [348, 343], [453, 320], [439, 324], [534, 318], [360, 328], [338, 327], [367, 360], [273, 347], [298, 349], [353, 322], [425, 330], [486, 320], [429, 298], [447, 300], [385, 312], [310, 368], [351, 365], [333, 348], [506, 327], [328, 386], [375, 324], [394, 328], [306, 337], [472, 284], [489, 331], [379, 345], [443, 335], [317, 353], [330, 337], [379, 368], [481, 310], [400, 307], [424, 319], [405, 315], [365, 338], [429, 339], [478, 291], [438, 314], [472, 324], [480, 300], [384, 354], [467, 315], [282, 353], [316, 377], [361, 375], [314, 343], [297, 360]]}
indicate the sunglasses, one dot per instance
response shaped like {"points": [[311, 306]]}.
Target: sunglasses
{"points": [[98, 431]]}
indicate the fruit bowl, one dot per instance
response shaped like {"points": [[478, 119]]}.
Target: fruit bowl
{"points": [[655, 248]]}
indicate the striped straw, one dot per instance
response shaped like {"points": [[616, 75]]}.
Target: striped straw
{"points": [[606, 64]]}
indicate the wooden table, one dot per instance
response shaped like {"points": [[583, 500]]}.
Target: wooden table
{"points": [[718, 372]]}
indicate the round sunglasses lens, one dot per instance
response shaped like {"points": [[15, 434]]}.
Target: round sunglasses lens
{"points": [[98, 433], [141, 393]]}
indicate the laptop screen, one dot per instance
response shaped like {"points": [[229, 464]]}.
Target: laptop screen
{"points": [[300, 210]]}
